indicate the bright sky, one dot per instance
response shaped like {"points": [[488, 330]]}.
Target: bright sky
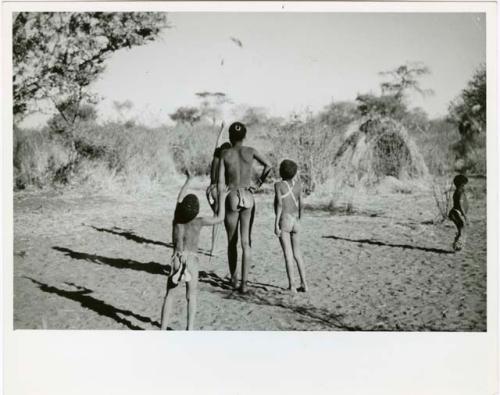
{"points": [[290, 62]]}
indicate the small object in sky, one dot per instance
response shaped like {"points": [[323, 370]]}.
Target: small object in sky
{"points": [[222, 62], [237, 41]]}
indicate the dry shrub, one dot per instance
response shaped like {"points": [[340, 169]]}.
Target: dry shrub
{"points": [[310, 143], [442, 192], [111, 156], [38, 158], [102, 157], [193, 146]]}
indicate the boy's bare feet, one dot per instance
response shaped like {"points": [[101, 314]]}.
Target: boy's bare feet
{"points": [[291, 289]]}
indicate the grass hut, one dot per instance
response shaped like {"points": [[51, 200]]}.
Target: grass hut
{"points": [[376, 149]]}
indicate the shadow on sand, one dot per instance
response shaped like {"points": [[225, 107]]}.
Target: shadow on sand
{"points": [[81, 295], [139, 239], [259, 293], [309, 312], [383, 244], [149, 267]]}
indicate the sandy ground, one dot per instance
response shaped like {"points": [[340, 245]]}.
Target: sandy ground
{"points": [[87, 262]]}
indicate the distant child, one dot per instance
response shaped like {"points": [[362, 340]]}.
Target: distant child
{"points": [[186, 228], [458, 214], [288, 209]]}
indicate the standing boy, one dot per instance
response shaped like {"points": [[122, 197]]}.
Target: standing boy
{"points": [[458, 214], [235, 171], [185, 234], [288, 209]]}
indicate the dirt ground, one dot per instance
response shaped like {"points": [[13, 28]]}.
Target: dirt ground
{"points": [[87, 262]]}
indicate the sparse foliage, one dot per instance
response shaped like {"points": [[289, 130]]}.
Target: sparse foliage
{"points": [[392, 101], [442, 193], [189, 115], [57, 55], [212, 104], [403, 79], [468, 112]]}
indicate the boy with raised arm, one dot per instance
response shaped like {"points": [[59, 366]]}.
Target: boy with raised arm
{"points": [[235, 171], [186, 228], [288, 210]]}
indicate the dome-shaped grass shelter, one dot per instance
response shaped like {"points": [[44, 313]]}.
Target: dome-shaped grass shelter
{"points": [[375, 149]]}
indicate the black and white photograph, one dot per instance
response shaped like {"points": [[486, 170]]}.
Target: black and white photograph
{"points": [[250, 171]]}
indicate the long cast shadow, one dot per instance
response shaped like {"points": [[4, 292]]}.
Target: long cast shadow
{"points": [[100, 307], [310, 312], [380, 243], [139, 239], [149, 267], [214, 280]]}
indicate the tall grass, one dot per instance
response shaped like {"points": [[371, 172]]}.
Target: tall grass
{"points": [[131, 157]]}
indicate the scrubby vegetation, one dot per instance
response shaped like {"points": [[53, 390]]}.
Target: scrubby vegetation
{"points": [[356, 144]]}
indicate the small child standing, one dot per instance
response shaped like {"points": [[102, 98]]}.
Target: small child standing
{"points": [[458, 214], [288, 210], [186, 228]]}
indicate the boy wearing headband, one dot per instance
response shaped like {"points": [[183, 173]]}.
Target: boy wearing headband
{"points": [[186, 228], [288, 210], [235, 171]]}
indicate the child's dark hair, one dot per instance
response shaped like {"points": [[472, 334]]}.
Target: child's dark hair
{"points": [[187, 210], [460, 180], [237, 132], [288, 169]]}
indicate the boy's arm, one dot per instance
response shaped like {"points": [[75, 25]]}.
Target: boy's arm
{"points": [[184, 188], [279, 210], [221, 180], [209, 221], [214, 168], [300, 200], [264, 162], [463, 205]]}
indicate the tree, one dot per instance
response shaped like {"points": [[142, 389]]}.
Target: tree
{"points": [[57, 55], [385, 105], [392, 101], [189, 115], [212, 104], [405, 78], [471, 104], [468, 112], [338, 113]]}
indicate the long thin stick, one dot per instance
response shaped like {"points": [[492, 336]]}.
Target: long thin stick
{"points": [[215, 229]]}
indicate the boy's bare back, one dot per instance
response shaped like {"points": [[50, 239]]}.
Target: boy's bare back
{"points": [[288, 205], [238, 166], [186, 236]]}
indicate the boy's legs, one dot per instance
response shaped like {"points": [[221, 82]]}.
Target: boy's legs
{"points": [[457, 220], [231, 224], [192, 298], [288, 252], [245, 230], [167, 305], [297, 254]]}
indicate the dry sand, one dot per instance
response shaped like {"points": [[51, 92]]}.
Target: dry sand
{"points": [[87, 262]]}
